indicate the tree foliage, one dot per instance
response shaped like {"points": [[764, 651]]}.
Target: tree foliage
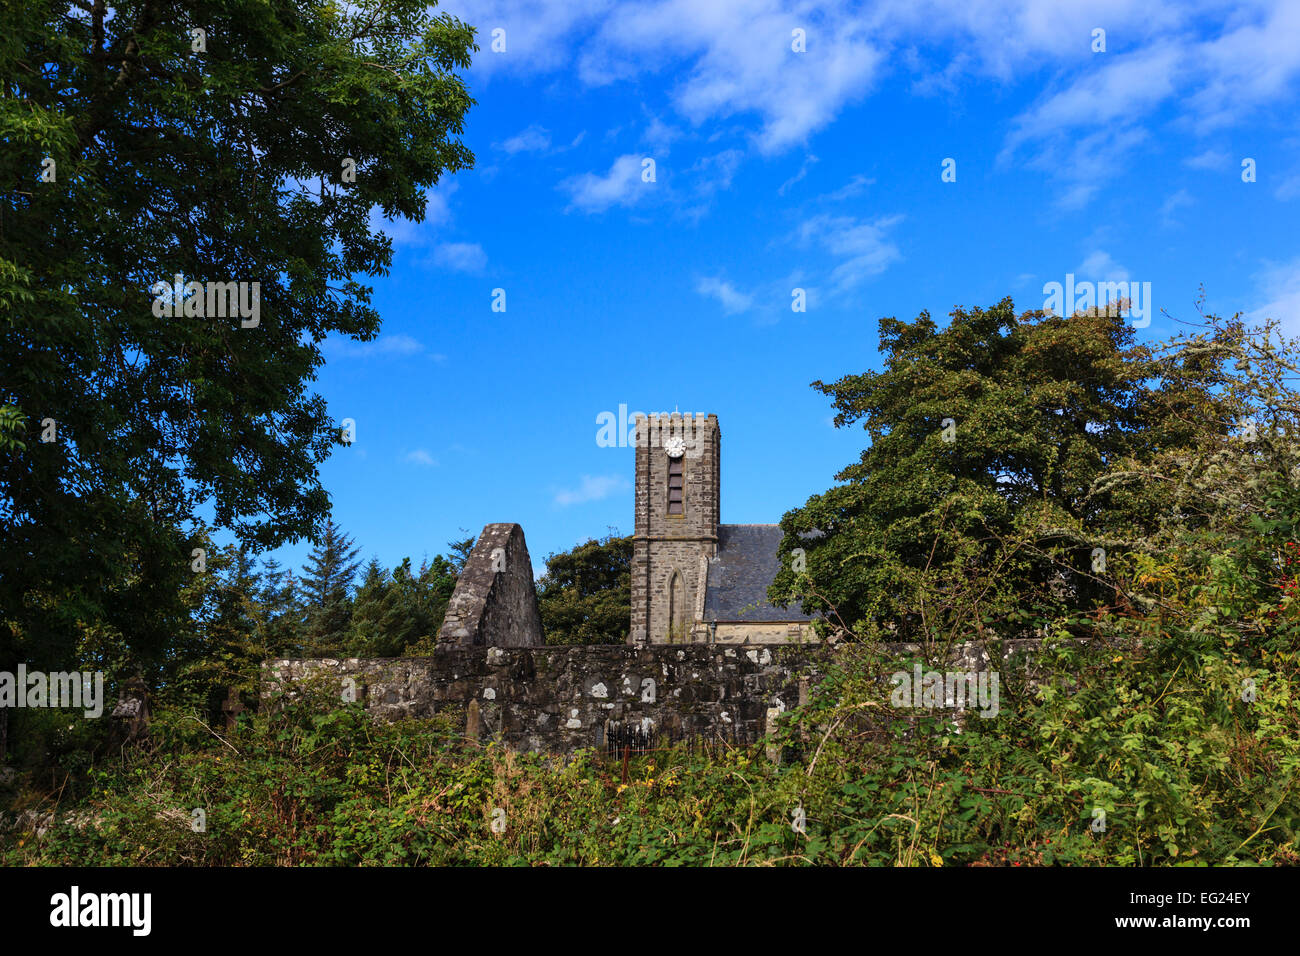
{"points": [[981, 480], [585, 596], [326, 584], [135, 153], [400, 612]]}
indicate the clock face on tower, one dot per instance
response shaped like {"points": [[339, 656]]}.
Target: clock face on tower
{"points": [[676, 447]]}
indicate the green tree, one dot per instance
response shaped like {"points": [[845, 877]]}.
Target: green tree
{"points": [[282, 614], [388, 613], [585, 596], [225, 644], [437, 583], [368, 607], [977, 498], [460, 551], [401, 613], [134, 154], [326, 587]]}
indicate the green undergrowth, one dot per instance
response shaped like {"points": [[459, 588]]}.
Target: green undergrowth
{"points": [[1153, 733]]}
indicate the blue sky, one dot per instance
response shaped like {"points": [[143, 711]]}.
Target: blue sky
{"points": [[776, 170]]}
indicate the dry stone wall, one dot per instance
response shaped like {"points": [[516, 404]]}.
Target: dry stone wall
{"points": [[565, 698], [561, 699]]}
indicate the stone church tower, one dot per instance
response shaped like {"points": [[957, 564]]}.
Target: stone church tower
{"points": [[677, 512], [694, 579]]}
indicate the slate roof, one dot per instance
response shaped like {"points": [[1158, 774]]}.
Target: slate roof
{"points": [[741, 573]]}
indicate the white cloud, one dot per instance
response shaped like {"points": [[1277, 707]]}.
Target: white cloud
{"points": [[808, 162], [539, 34], [591, 488], [421, 457], [862, 246], [386, 346], [1279, 287], [854, 187], [1290, 186], [1085, 132], [1111, 95], [1211, 159], [944, 82], [733, 301], [1251, 64], [437, 209], [1172, 204], [621, 186], [716, 171], [534, 139], [739, 60], [1100, 267], [1198, 64], [660, 136], [460, 257], [1085, 161]]}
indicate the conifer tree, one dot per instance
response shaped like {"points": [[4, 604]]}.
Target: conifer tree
{"points": [[326, 585]]}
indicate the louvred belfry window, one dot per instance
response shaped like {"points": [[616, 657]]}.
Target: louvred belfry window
{"points": [[675, 485]]}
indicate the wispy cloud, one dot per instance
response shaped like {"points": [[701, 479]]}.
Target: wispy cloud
{"points": [[621, 186], [421, 457], [863, 247], [854, 187], [715, 172], [534, 139], [386, 346], [460, 257], [660, 135], [741, 60], [1084, 162], [539, 34], [798, 177], [1099, 266], [1172, 204], [1084, 133], [1204, 65], [1279, 289], [1289, 187], [1210, 159], [733, 301], [591, 488]]}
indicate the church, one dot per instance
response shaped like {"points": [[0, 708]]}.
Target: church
{"points": [[694, 579]]}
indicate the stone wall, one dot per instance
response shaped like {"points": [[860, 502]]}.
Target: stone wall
{"points": [[560, 699], [495, 601]]}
